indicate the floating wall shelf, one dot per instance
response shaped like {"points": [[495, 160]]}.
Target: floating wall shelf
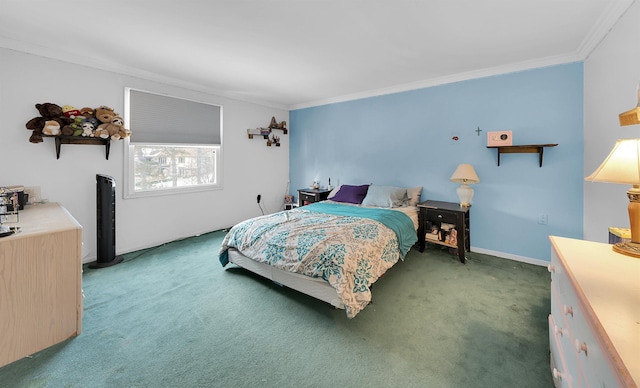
{"points": [[522, 149], [81, 140], [267, 132]]}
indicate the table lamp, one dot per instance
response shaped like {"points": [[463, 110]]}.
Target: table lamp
{"points": [[623, 166], [465, 175]]}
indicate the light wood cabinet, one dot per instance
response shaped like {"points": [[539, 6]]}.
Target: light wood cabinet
{"points": [[594, 330], [40, 282]]}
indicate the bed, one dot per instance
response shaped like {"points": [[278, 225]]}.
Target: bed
{"points": [[333, 250]]}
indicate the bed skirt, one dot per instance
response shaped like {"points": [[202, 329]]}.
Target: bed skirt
{"points": [[315, 287]]}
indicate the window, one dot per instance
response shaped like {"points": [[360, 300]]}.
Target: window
{"points": [[174, 147]]}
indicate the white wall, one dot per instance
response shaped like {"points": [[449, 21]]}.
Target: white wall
{"points": [[611, 76], [249, 166]]}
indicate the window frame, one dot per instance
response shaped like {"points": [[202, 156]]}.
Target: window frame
{"points": [[129, 158]]}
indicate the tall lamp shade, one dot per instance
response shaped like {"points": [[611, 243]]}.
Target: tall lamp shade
{"points": [[465, 175], [623, 166]]}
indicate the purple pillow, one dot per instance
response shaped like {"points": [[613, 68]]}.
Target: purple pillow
{"points": [[351, 194]]}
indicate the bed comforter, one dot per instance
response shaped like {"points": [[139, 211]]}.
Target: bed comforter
{"points": [[348, 246]]}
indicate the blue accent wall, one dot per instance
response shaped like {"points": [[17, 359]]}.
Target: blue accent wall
{"points": [[406, 139]]}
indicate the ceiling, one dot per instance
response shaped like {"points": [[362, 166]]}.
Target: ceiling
{"points": [[298, 53]]}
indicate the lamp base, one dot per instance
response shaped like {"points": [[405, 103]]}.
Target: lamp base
{"points": [[628, 248]]}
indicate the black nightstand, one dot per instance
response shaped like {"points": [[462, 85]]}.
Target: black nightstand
{"points": [[435, 213], [307, 196]]}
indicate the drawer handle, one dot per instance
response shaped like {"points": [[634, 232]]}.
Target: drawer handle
{"points": [[557, 330], [439, 215], [551, 268], [557, 374], [581, 347], [568, 310]]}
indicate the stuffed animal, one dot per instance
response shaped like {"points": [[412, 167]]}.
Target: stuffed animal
{"points": [[104, 114], [70, 112], [93, 121], [48, 123], [87, 112], [88, 128], [115, 129], [123, 132], [74, 128]]}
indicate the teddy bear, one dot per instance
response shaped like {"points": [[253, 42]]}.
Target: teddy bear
{"points": [[48, 123], [104, 114], [115, 129]]}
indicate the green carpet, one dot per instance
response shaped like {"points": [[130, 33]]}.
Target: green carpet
{"points": [[171, 316]]}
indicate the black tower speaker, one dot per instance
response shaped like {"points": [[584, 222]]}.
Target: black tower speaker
{"points": [[106, 216]]}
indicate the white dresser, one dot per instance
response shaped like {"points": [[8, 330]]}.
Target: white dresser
{"points": [[594, 326], [40, 282]]}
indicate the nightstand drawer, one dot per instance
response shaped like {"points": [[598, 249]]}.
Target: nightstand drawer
{"points": [[307, 197], [441, 216]]}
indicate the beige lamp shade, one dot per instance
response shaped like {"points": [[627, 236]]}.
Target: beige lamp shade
{"points": [[621, 166], [465, 174]]}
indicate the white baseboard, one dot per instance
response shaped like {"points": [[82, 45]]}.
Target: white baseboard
{"points": [[509, 256]]}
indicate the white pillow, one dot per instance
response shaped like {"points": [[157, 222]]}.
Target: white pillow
{"points": [[334, 191], [385, 196]]}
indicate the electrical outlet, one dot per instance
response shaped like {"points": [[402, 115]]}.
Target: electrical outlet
{"points": [[543, 219], [258, 198]]}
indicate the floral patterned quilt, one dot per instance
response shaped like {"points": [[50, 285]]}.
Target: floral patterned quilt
{"points": [[348, 246]]}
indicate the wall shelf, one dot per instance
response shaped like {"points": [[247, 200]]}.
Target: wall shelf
{"points": [[81, 140], [266, 133], [522, 149]]}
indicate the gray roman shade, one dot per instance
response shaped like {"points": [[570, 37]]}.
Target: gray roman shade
{"points": [[155, 118]]}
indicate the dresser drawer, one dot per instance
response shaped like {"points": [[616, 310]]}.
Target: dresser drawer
{"points": [[438, 215], [561, 330], [562, 376], [577, 343]]}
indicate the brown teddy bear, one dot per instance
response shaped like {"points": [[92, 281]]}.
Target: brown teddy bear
{"points": [[50, 122], [104, 114], [115, 129]]}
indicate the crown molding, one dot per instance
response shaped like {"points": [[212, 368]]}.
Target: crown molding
{"points": [[606, 22], [603, 26], [75, 59], [448, 79]]}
